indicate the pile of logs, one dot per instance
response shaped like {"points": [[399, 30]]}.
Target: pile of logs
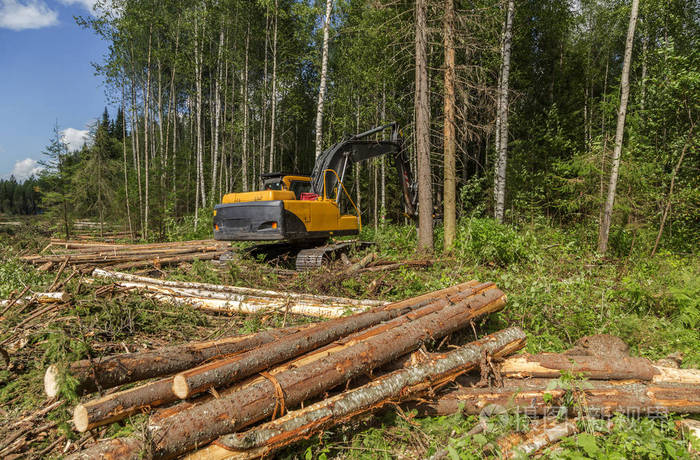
{"points": [[232, 299], [90, 254], [213, 389], [247, 396]]}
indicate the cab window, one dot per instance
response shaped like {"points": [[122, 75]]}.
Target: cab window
{"points": [[299, 187], [274, 185]]}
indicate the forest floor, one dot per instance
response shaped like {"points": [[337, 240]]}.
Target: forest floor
{"points": [[558, 291]]}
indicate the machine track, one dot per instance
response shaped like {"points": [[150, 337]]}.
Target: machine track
{"points": [[308, 259]]}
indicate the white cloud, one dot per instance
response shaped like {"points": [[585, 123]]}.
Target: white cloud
{"points": [[87, 4], [26, 168], [74, 138], [34, 14]]}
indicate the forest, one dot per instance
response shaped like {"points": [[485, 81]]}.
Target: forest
{"points": [[557, 176], [208, 96]]}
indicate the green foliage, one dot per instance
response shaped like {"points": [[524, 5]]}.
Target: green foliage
{"points": [[487, 242], [14, 276]]}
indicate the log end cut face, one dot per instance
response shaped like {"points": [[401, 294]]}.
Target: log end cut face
{"points": [[51, 386]]}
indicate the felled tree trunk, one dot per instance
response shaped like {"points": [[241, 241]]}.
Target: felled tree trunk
{"points": [[398, 386], [202, 423], [223, 372], [210, 290], [39, 297], [122, 404], [594, 397], [120, 369], [550, 365]]}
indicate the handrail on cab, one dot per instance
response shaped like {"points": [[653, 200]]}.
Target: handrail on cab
{"points": [[359, 219]]}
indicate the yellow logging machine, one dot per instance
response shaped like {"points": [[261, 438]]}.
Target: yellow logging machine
{"points": [[303, 212]]}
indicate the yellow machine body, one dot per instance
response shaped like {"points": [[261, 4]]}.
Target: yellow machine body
{"points": [[279, 213]]}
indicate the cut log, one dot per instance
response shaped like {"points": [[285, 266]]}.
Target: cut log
{"points": [[393, 388], [40, 297], [112, 449], [202, 423], [208, 290], [115, 370], [223, 372], [541, 437], [122, 404], [598, 398], [256, 305], [117, 406], [611, 367]]}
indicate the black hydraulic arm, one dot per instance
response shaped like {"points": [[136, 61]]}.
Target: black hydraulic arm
{"points": [[359, 148]]}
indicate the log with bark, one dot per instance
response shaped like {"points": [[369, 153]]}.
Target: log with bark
{"points": [[393, 388], [551, 365], [120, 369], [119, 405], [225, 371], [339, 363], [549, 396]]}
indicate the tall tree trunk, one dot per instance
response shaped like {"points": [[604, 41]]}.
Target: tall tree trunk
{"points": [[274, 92], [199, 182], [502, 139], [217, 116], [449, 193], [324, 71], [244, 154], [135, 142], [146, 102], [619, 132], [383, 192], [358, 177], [126, 175], [422, 109]]}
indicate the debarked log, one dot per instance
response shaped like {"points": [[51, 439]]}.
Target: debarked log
{"points": [[551, 365], [252, 305], [209, 290], [203, 423], [392, 388], [225, 371], [120, 369], [596, 398], [40, 297]]}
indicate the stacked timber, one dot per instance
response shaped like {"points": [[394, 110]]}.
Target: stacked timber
{"points": [[89, 254], [605, 380], [210, 390], [232, 299]]}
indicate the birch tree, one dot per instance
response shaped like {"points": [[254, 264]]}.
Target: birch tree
{"points": [[619, 132], [324, 71], [502, 137]]}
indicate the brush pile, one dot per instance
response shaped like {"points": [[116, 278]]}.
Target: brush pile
{"points": [[87, 255]]}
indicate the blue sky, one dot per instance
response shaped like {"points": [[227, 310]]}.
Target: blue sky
{"points": [[46, 76]]}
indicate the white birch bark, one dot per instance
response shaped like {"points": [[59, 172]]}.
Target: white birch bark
{"points": [[244, 154], [274, 92], [502, 139], [324, 71], [619, 132]]}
